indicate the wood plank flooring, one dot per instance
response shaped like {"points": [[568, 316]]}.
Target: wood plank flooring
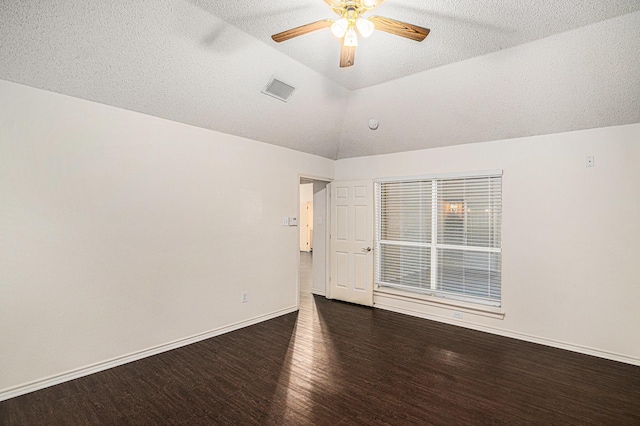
{"points": [[334, 363]]}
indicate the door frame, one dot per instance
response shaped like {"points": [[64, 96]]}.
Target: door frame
{"points": [[326, 236]]}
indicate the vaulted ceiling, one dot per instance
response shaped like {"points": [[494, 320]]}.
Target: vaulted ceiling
{"points": [[488, 70]]}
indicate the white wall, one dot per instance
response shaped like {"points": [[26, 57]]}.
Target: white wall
{"points": [[319, 185], [580, 79], [306, 193], [321, 234], [123, 232], [305, 222], [571, 235], [170, 59]]}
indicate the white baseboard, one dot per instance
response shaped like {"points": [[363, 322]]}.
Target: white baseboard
{"points": [[520, 336], [318, 292], [124, 359]]}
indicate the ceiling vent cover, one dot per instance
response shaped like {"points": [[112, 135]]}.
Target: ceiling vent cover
{"points": [[278, 90]]}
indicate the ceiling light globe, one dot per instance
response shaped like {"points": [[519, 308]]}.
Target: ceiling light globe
{"points": [[339, 28], [351, 38], [364, 26]]}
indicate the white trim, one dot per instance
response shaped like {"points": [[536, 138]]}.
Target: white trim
{"points": [[326, 235], [440, 302], [327, 242], [376, 236], [404, 243], [433, 259], [318, 292], [134, 356], [314, 177], [327, 276], [468, 248], [478, 174], [515, 335]]}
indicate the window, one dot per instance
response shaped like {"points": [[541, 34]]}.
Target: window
{"points": [[441, 236]]}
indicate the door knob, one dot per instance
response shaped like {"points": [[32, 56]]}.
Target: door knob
{"points": [[366, 250]]}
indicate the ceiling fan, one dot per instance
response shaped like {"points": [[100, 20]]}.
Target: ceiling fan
{"points": [[351, 12]]}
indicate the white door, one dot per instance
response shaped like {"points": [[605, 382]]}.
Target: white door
{"points": [[351, 277], [320, 221]]}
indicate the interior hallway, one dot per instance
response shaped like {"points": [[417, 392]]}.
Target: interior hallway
{"points": [[306, 277]]}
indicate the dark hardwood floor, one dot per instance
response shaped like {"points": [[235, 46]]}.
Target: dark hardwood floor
{"points": [[336, 364]]}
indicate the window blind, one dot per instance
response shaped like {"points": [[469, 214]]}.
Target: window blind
{"points": [[441, 236], [405, 233]]}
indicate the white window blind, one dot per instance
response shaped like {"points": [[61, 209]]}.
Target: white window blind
{"points": [[405, 233], [441, 236]]}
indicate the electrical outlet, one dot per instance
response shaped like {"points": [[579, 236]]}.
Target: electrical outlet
{"points": [[245, 297], [457, 315]]}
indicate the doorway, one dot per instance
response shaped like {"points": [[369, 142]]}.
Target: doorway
{"points": [[313, 236]]}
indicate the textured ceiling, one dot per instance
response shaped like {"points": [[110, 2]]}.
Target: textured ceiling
{"points": [[460, 30], [489, 70]]}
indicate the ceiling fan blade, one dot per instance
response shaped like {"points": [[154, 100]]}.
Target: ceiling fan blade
{"points": [[399, 28], [302, 30], [347, 56]]}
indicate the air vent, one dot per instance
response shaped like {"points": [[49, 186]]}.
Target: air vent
{"points": [[278, 90]]}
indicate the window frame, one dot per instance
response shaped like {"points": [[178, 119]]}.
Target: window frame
{"points": [[431, 292]]}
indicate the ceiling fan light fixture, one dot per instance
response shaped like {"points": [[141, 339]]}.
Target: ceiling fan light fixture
{"points": [[339, 28], [364, 26], [351, 38], [369, 3]]}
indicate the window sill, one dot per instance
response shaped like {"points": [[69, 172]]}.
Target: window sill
{"points": [[438, 302]]}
